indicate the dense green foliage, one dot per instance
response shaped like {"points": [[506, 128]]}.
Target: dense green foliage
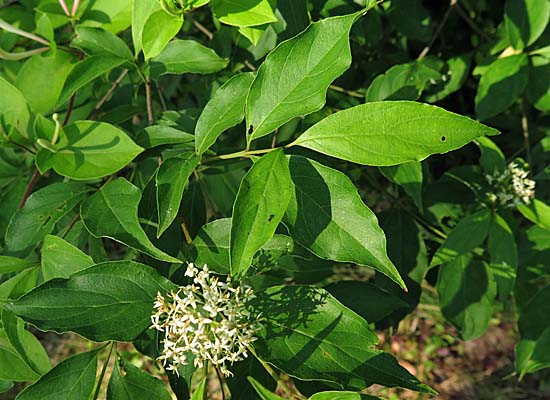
{"points": [[277, 141]]}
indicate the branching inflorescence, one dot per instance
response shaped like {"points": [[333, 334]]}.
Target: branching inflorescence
{"points": [[512, 187], [206, 320]]}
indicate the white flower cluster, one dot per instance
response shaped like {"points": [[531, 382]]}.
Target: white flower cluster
{"points": [[207, 319], [512, 187]]}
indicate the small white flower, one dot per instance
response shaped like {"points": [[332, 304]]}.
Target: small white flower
{"points": [[208, 319], [512, 187]]}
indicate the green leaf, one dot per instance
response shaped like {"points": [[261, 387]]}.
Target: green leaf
{"points": [[71, 379], [95, 41], [25, 343], [260, 205], [135, 384], [492, 159], [140, 13], [525, 21], [466, 292], [186, 56], [532, 351], [113, 212], [501, 85], [41, 79], [536, 212], [15, 112], [458, 72], [468, 234], [311, 336], [159, 28], [158, 135], [13, 264], [243, 12], [224, 110], [171, 179], [294, 78], [264, 393], [296, 17], [327, 215], [390, 133], [409, 176], [12, 366], [200, 391], [538, 88], [5, 385], [88, 150], [402, 82], [86, 71], [113, 16], [108, 301], [342, 396], [504, 255], [61, 259], [43, 209], [20, 284]]}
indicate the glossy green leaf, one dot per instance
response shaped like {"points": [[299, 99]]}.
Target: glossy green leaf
{"points": [[108, 301], [61, 259], [243, 12], [402, 82], [159, 28], [466, 292], [525, 21], [13, 264], [85, 71], [260, 205], [113, 212], [89, 149], [409, 176], [71, 379], [158, 135], [501, 85], [458, 72], [532, 351], [136, 384], [41, 79], [171, 180], [312, 336], [15, 112], [327, 215], [264, 393], [391, 133], [504, 254], [224, 110], [95, 41], [186, 56], [294, 78], [43, 209], [537, 212], [468, 234]]}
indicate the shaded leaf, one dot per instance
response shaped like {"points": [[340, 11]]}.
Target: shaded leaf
{"points": [[61, 259]]}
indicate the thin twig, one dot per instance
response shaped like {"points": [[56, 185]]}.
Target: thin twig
{"points": [[470, 22], [111, 89], [525, 129], [274, 140], [426, 50], [148, 99], [69, 109], [71, 225], [249, 65], [12, 29], [103, 370], [161, 97], [186, 233], [346, 91], [28, 190], [221, 382], [203, 29]]}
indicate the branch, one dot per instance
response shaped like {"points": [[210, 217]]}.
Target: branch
{"points": [[426, 50]]}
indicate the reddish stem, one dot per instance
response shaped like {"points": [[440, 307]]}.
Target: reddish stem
{"points": [[28, 190]]}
